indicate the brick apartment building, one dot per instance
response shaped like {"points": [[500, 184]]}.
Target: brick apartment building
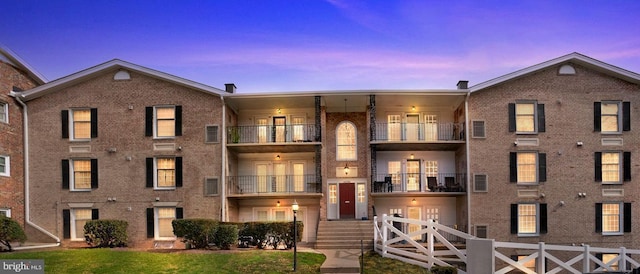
{"points": [[542, 154]]}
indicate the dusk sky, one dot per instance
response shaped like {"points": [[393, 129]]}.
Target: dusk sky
{"points": [[305, 45]]}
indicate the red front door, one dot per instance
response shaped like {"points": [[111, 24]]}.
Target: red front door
{"points": [[347, 200]]}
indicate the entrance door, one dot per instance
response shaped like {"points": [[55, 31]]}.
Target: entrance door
{"points": [[412, 127], [279, 132], [414, 213], [413, 175], [347, 201]]}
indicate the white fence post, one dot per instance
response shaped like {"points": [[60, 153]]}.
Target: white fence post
{"points": [[622, 263], [586, 259], [385, 234], [480, 256], [375, 233], [541, 258]]}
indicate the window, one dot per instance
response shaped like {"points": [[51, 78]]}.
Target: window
{"points": [[5, 212], [528, 219], [298, 177], [211, 134], [73, 221], [361, 193], [80, 174], [529, 264], [528, 167], [163, 121], [394, 127], [610, 167], [612, 259], [5, 166], [333, 194], [80, 124], [613, 218], [480, 183], [346, 142], [164, 172], [481, 231], [611, 116], [211, 187], [4, 112], [478, 129], [299, 129], [159, 222], [526, 117]]}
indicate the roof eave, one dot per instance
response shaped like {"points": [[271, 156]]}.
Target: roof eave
{"points": [[21, 64]]}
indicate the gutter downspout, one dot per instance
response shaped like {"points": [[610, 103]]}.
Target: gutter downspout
{"points": [[466, 136], [27, 207], [223, 188]]}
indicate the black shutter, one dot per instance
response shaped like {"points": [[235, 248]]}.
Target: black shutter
{"points": [[542, 167], [178, 171], [94, 122], [179, 213], [150, 223], [597, 159], [513, 167], [598, 217], [626, 116], [596, 116], [95, 215], [64, 115], [543, 218], [94, 173], [512, 117], [627, 217], [149, 172], [626, 162], [65, 174], [178, 121], [541, 125], [514, 218], [148, 121], [66, 224]]}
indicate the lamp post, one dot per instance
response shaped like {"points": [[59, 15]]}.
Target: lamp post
{"points": [[295, 234]]}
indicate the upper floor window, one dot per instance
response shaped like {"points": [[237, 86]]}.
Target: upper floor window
{"points": [[80, 174], [612, 167], [164, 172], [613, 218], [528, 219], [80, 124], [611, 116], [163, 121], [528, 167], [346, 142], [526, 117], [4, 112], [4, 166]]}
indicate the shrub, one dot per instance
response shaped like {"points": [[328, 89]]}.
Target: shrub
{"points": [[196, 232], [443, 270], [270, 234], [106, 233], [10, 231], [225, 236]]}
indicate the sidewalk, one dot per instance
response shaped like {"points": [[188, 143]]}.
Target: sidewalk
{"points": [[341, 261]]}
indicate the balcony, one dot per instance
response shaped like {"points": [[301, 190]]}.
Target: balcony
{"points": [[301, 133], [272, 185], [415, 182], [414, 132]]}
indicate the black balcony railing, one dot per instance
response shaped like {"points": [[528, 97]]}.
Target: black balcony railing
{"points": [[271, 134], [403, 132], [270, 184], [415, 182]]}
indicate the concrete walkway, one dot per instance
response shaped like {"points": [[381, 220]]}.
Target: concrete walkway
{"points": [[341, 261]]}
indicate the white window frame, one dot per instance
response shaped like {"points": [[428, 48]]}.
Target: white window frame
{"points": [[156, 119], [6, 211], [4, 110], [620, 167], [72, 123], [7, 166], [536, 171], [155, 174], [620, 216], [339, 146], [535, 117], [72, 175], [73, 226], [618, 116], [537, 221], [156, 223]]}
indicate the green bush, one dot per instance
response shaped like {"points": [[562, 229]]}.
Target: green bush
{"points": [[106, 233], [196, 232], [10, 231], [270, 234], [443, 270], [225, 236]]}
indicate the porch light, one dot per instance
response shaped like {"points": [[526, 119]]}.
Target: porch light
{"points": [[411, 156], [278, 157], [279, 111], [346, 169], [278, 204], [413, 108], [413, 201]]}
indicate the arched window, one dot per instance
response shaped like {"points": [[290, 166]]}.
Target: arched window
{"points": [[346, 147]]}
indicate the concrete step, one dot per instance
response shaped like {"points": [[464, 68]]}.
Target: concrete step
{"points": [[344, 234]]}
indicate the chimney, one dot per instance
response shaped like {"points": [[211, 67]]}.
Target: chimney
{"points": [[463, 84], [230, 88]]}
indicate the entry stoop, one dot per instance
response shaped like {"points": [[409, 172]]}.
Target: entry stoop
{"points": [[345, 234]]}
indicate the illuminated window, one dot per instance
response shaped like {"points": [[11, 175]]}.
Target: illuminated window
{"points": [[527, 167], [526, 117], [528, 219], [612, 260], [164, 172], [611, 167], [81, 174], [81, 124], [298, 129], [394, 127], [79, 219], [361, 193], [164, 217], [346, 142], [163, 121], [333, 194], [611, 218]]}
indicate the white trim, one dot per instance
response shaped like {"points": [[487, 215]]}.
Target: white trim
{"points": [[7, 212], [4, 108], [7, 166], [72, 224], [156, 226], [15, 60], [155, 173]]}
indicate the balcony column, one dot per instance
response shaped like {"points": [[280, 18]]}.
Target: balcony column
{"points": [[374, 166], [318, 169], [318, 120], [372, 117]]}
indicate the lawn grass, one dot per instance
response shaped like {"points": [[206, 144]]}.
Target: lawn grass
{"points": [[126, 261], [374, 263]]}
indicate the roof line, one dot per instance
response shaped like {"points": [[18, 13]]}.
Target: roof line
{"points": [[18, 62]]}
